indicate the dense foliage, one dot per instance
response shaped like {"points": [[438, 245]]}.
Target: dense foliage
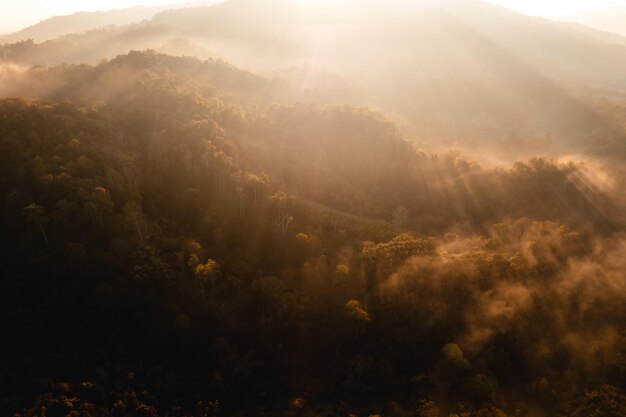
{"points": [[172, 247]]}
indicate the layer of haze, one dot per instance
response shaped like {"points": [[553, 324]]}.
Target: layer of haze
{"points": [[556, 8], [18, 15]]}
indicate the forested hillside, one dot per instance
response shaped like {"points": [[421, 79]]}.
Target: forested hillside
{"points": [[291, 208], [462, 74], [58, 26], [179, 238]]}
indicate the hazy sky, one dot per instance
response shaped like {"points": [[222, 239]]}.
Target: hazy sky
{"points": [[16, 14]]}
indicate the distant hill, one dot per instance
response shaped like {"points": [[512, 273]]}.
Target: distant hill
{"points": [[57, 26], [465, 74], [612, 19]]}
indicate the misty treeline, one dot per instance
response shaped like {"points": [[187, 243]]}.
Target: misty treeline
{"points": [[174, 246], [455, 73]]}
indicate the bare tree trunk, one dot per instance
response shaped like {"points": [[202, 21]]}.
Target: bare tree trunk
{"points": [[45, 238], [140, 234], [242, 205]]}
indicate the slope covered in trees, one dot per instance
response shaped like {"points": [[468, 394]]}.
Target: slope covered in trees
{"points": [[465, 74], [178, 238], [58, 26]]}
